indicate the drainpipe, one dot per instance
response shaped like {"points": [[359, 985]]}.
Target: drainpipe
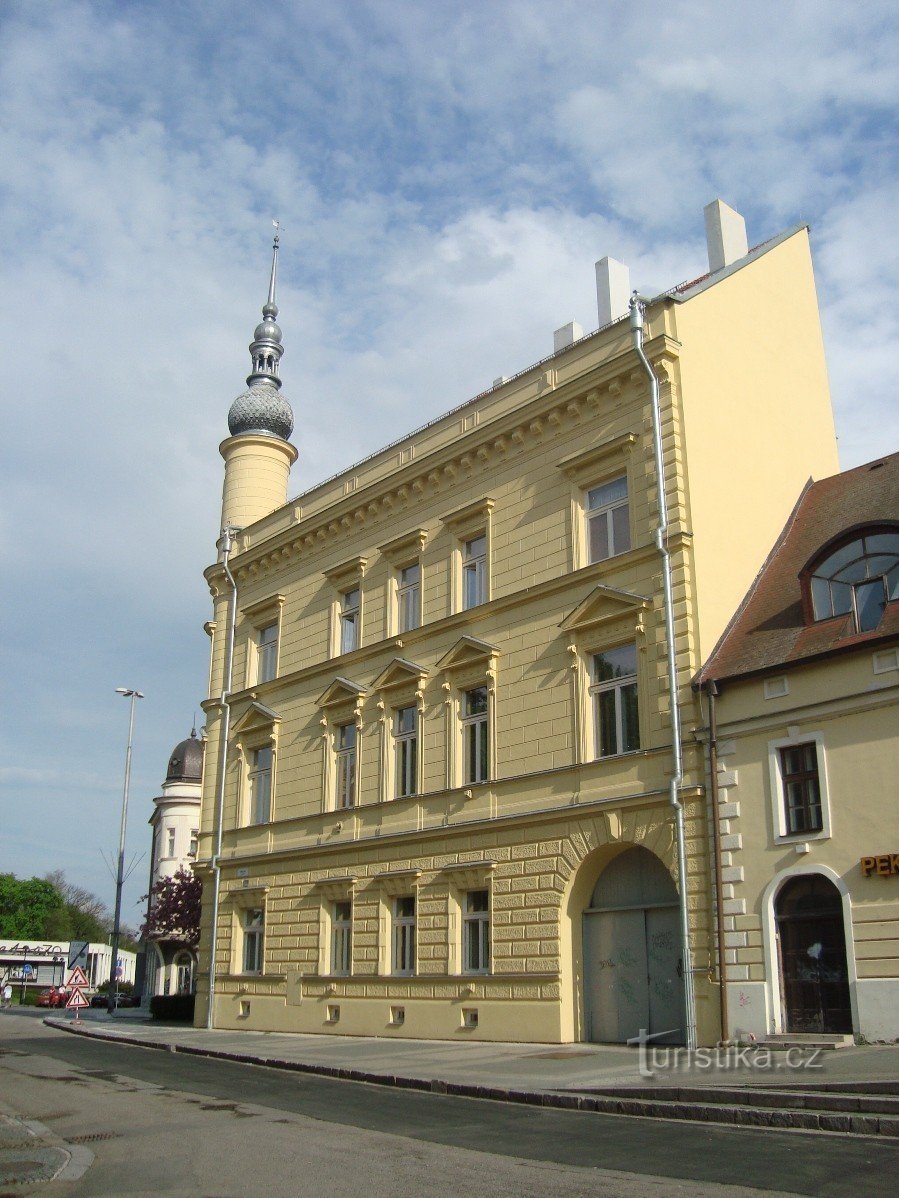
{"points": [[712, 691], [637, 310], [226, 544]]}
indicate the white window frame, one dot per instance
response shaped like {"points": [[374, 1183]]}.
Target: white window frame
{"points": [[194, 842], [405, 745], [260, 779], [252, 949], [777, 794], [474, 571], [170, 842], [475, 727], [350, 620], [342, 937], [605, 514], [476, 933], [618, 686], [267, 639], [408, 598], [346, 766], [403, 936]]}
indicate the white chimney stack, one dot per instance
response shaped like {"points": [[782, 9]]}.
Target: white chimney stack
{"points": [[567, 335], [725, 234], [613, 290]]}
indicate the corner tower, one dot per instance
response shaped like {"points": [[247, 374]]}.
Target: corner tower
{"points": [[258, 454]]}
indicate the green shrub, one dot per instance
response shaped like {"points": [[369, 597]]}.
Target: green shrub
{"points": [[173, 1008]]}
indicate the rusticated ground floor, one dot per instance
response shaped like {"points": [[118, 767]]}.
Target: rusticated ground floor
{"points": [[563, 927]]}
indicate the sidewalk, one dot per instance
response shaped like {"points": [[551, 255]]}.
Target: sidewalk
{"points": [[521, 1072]]}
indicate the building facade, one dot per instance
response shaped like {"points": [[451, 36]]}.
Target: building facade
{"points": [[442, 794], [170, 961], [804, 689]]}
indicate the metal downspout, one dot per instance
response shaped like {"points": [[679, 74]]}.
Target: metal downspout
{"points": [[225, 544], [712, 691], [637, 308]]}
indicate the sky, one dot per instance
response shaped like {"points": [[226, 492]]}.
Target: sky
{"points": [[446, 176]]}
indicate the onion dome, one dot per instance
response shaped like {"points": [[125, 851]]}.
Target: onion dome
{"points": [[186, 761], [261, 409]]}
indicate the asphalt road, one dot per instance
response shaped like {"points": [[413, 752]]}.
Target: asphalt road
{"points": [[161, 1123]]}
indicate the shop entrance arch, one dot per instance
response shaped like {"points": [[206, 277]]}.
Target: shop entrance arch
{"points": [[633, 957], [811, 939]]}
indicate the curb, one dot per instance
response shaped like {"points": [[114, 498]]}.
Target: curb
{"points": [[796, 1120]]}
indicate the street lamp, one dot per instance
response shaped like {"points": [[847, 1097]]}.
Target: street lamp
{"points": [[120, 876]]}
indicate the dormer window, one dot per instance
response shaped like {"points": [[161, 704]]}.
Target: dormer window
{"points": [[858, 578]]}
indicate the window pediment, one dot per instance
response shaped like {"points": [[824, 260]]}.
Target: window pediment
{"points": [[400, 672], [583, 466], [337, 889], [409, 545], [256, 718], [470, 875], [257, 613], [342, 690], [468, 651], [470, 517], [398, 882], [350, 571], [603, 605]]}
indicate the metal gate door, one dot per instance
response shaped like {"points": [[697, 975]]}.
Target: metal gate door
{"points": [[616, 975]]}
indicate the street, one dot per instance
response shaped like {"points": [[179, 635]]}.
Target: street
{"points": [[163, 1124]]}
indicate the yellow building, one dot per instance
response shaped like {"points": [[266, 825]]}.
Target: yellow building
{"points": [[442, 795], [804, 694]]}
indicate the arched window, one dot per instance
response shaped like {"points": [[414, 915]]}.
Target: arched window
{"points": [[858, 577]]}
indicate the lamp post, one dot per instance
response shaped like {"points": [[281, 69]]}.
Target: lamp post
{"points": [[120, 875]]}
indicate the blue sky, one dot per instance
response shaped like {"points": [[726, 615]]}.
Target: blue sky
{"points": [[446, 175]]}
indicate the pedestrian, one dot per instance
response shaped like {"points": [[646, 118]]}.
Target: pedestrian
{"points": [[7, 995]]}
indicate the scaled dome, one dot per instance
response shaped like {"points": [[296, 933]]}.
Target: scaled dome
{"points": [[186, 761], [262, 409]]}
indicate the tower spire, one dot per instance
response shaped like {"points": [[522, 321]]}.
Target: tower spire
{"points": [[266, 348]]}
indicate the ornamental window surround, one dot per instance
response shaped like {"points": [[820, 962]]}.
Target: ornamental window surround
{"points": [[472, 529], [397, 940], [404, 583], [469, 687], [347, 605], [263, 645], [616, 713], [341, 729], [400, 703], [602, 489], [256, 740]]}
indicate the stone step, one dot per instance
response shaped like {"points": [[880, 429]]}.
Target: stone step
{"points": [[785, 1041]]}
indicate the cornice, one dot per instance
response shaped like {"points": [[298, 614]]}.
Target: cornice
{"points": [[544, 416]]}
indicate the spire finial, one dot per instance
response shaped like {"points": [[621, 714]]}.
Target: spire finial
{"points": [[271, 308], [266, 348]]}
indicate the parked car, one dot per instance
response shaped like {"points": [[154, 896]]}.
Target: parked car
{"points": [[54, 996], [121, 1000]]}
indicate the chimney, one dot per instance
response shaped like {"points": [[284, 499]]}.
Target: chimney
{"points": [[613, 290], [725, 234], [566, 335]]}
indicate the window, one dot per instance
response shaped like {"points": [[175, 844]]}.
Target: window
{"points": [[170, 842], [608, 520], [408, 597], [476, 932], [253, 931], [614, 690], [801, 788], [349, 620], [341, 937], [261, 786], [474, 571], [474, 734], [859, 578], [267, 653], [194, 840], [345, 739], [404, 934], [405, 735]]}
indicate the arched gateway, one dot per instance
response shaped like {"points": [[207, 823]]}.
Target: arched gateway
{"points": [[633, 959]]}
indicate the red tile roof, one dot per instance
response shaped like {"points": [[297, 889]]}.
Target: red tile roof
{"points": [[769, 630]]}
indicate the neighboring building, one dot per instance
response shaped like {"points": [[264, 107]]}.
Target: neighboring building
{"points": [[807, 713], [442, 767], [171, 963], [40, 963]]}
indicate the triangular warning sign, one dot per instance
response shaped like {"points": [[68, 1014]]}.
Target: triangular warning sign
{"points": [[77, 977], [77, 1000]]}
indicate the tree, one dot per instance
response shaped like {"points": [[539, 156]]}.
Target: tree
{"points": [[175, 909], [28, 907]]}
